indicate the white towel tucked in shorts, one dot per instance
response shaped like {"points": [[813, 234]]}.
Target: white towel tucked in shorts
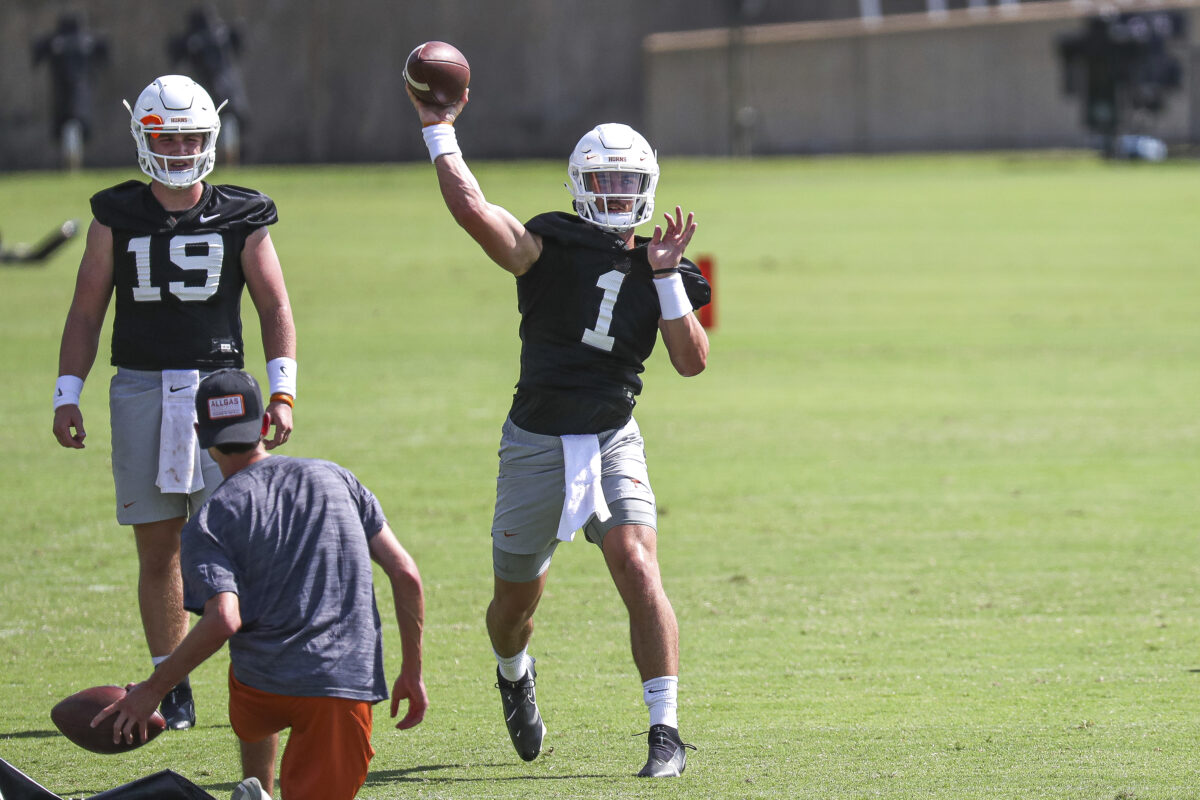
{"points": [[584, 493], [178, 453]]}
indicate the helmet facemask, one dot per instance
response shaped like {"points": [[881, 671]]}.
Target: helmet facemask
{"points": [[613, 173], [174, 104]]}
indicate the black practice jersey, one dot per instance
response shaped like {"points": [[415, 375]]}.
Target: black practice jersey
{"points": [[178, 276], [589, 320]]}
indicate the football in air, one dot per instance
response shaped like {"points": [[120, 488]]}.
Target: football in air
{"points": [[73, 717], [437, 73]]}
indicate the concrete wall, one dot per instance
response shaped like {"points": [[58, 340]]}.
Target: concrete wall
{"points": [[966, 80], [324, 77]]}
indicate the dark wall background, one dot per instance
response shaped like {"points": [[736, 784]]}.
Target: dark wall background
{"points": [[967, 79], [323, 78]]}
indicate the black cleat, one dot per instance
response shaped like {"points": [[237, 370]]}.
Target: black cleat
{"points": [[668, 754], [525, 726], [177, 707]]}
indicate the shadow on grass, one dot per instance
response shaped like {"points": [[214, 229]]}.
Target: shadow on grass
{"points": [[30, 735], [414, 775]]}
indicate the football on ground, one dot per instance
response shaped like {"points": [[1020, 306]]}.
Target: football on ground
{"points": [[437, 73], [73, 717]]}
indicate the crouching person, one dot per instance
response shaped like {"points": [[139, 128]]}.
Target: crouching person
{"points": [[278, 562]]}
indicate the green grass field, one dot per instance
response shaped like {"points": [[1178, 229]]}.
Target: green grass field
{"points": [[929, 520]]}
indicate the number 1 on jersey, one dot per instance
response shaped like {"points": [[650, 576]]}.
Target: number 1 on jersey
{"points": [[598, 336]]}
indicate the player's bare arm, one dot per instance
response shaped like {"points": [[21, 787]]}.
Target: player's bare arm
{"points": [[498, 232], [409, 600], [264, 281], [221, 619], [81, 333], [685, 338]]}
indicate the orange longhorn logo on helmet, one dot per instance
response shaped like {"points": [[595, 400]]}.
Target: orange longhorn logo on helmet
{"points": [[151, 119]]}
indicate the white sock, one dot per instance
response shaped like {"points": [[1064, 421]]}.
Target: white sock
{"points": [[513, 669], [156, 660], [662, 698]]}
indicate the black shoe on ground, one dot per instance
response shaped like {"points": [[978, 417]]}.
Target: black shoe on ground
{"points": [[668, 753], [525, 726], [177, 707]]}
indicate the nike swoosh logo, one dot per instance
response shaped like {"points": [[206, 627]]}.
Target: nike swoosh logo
{"points": [[283, 370], [208, 217], [127, 505], [656, 691], [508, 535], [59, 393], [178, 388]]}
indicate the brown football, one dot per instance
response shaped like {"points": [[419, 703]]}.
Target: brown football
{"points": [[73, 717], [437, 73]]}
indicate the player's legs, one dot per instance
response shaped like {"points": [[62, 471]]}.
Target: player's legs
{"points": [[328, 751], [135, 406], [160, 585], [160, 599], [510, 627], [329, 744], [510, 614], [256, 718], [528, 503], [631, 553], [258, 761]]}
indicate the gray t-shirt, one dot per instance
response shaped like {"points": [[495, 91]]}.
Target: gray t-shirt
{"points": [[289, 537]]}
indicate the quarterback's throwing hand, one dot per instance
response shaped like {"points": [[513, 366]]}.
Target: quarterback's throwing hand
{"points": [[437, 115]]}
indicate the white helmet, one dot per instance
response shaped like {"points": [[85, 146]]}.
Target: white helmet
{"points": [[175, 104], [613, 173]]}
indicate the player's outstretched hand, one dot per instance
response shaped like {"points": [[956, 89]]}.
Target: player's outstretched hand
{"points": [[410, 688], [434, 115], [133, 711], [666, 249], [281, 421], [68, 426]]}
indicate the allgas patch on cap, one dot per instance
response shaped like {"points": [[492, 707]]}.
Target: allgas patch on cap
{"points": [[229, 409], [227, 406]]}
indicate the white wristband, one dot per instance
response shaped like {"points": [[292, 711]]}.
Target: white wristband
{"points": [[67, 390], [440, 139], [672, 298], [281, 375]]}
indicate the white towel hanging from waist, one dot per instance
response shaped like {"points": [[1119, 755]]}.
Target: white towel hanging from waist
{"points": [[178, 453], [584, 493]]}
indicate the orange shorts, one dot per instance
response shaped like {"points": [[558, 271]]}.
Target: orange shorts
{"points": [[329, 746]]}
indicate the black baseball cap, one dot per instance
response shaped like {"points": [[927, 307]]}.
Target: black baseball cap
{"points": [[229, 409]]}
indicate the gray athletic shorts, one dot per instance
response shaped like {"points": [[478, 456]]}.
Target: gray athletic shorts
{"points": [[530, 490], [135, 405]]}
